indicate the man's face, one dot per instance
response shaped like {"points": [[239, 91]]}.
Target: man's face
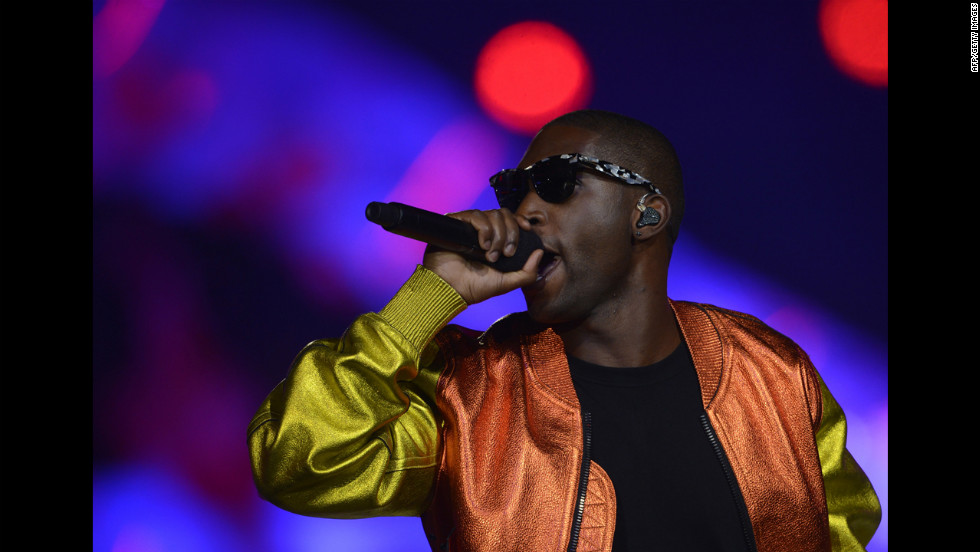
{"points": [[589, 233]]}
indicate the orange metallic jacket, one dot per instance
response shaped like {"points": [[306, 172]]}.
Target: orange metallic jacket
{"points": [[482, 435]]}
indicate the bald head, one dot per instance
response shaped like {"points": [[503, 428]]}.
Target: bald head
{"points": [[638, 147]]}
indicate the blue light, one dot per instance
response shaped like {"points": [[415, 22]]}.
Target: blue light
{"points": [[148, 508], [287, 532]]}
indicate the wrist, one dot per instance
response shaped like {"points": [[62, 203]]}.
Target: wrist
{"points": [[422, 306]]}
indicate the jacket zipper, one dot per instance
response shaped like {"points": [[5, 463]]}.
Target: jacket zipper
{"points": [[583, 480], [743, 512]]}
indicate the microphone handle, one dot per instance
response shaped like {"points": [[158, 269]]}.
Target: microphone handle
{"points": [[447, 233]]}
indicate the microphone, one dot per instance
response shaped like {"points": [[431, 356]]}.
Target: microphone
{"points": [[447, 233]]}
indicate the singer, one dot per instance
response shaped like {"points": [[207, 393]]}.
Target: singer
{"points": [[607, 416]]}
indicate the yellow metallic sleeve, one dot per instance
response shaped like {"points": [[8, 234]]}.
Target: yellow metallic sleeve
{"points": [[352, 431], [852, 503]]}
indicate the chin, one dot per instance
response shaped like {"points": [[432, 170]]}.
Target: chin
{"points": [[548, 314], [537, 312]]}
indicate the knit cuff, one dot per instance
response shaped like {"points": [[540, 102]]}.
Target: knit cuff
{"points": [[423, 306]]}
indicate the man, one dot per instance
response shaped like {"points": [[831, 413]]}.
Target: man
{"points": [[607, 416]]}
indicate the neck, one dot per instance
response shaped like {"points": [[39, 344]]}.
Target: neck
{"points": [[640, 329]]}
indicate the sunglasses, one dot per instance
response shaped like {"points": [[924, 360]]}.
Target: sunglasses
{"points": [[554, 179]]}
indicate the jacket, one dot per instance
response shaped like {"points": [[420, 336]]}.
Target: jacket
{"points": [[481, 434]]}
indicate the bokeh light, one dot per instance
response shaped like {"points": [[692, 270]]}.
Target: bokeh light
{"points": [[855, 34], [529, 73], [118, 30]]}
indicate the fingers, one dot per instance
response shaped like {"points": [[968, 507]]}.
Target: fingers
{"points": [[497, 231]]}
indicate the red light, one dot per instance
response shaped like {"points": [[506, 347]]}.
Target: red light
{"points": [[529, 73], [855, 34]]}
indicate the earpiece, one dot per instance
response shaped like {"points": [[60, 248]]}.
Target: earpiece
{"points": [[650, 215]]}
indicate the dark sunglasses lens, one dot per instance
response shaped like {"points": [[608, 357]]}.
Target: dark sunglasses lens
{"points": [[509, 188], [554, 182]]}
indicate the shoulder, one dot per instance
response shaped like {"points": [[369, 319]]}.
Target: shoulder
{"points": [[750, 350], [740, 331]]}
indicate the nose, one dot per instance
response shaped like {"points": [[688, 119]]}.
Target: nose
{"points": [[533, 208]]}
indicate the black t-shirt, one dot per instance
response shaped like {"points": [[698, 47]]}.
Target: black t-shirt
{"points": [[647, 434]]}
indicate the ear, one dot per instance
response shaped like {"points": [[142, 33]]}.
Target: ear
{"points": [[650, 216]]}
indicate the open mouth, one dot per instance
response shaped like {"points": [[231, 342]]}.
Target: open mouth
{"points": [[548, 263]]}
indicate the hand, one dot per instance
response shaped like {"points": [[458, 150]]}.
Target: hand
{"points": [[498, 232]]}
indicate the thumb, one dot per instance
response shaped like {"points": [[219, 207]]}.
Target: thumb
{"points": [[527, 274]]}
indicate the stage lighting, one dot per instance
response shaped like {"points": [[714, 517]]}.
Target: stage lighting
{"points": [[529, 73]]}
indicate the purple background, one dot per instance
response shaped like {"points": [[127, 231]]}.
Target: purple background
{"points": [[236, 144]]}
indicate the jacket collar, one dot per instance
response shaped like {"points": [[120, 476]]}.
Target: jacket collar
{"points": [[704, 342], [545, 351]]}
